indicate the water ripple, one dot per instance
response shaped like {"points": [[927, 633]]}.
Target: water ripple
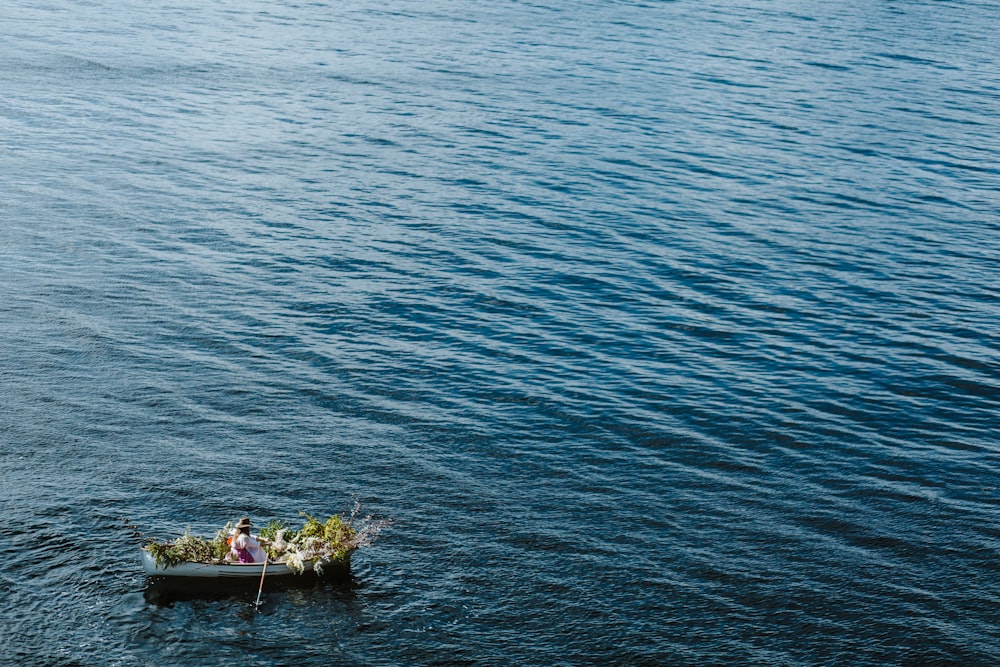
{"points": [[664, 331]]}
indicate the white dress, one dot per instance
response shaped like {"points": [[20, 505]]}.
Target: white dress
{"points": [[249, 542]]}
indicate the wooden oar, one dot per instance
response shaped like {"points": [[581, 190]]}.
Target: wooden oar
{"points": [[262, 573]]}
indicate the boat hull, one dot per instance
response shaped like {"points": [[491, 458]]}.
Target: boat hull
{"points": [[220, 570]]}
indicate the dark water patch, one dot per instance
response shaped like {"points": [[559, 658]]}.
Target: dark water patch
{"points": [[908, 59], [828, 66]]}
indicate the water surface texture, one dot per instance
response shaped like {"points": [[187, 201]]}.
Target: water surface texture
{"points": [[666, 332]]}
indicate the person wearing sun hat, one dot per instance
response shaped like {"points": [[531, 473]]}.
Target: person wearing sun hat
{"points": [[244, 546]]}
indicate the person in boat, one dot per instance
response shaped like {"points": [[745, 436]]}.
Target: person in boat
{"points": [[246, 547]]}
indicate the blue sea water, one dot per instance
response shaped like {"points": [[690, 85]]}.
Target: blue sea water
{"points": [[666, 333]]}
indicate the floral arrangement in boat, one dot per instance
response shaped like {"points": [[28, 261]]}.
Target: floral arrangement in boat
{"points": [[316, 543]]}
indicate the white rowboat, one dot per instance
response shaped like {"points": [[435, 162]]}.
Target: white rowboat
{"points": [[218, 569]]}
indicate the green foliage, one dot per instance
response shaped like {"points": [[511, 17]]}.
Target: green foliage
{"points": [[188, 547], [339, 537], [332, 540], [270, 530], [220, 544], [311, 528], [335, 530]]}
